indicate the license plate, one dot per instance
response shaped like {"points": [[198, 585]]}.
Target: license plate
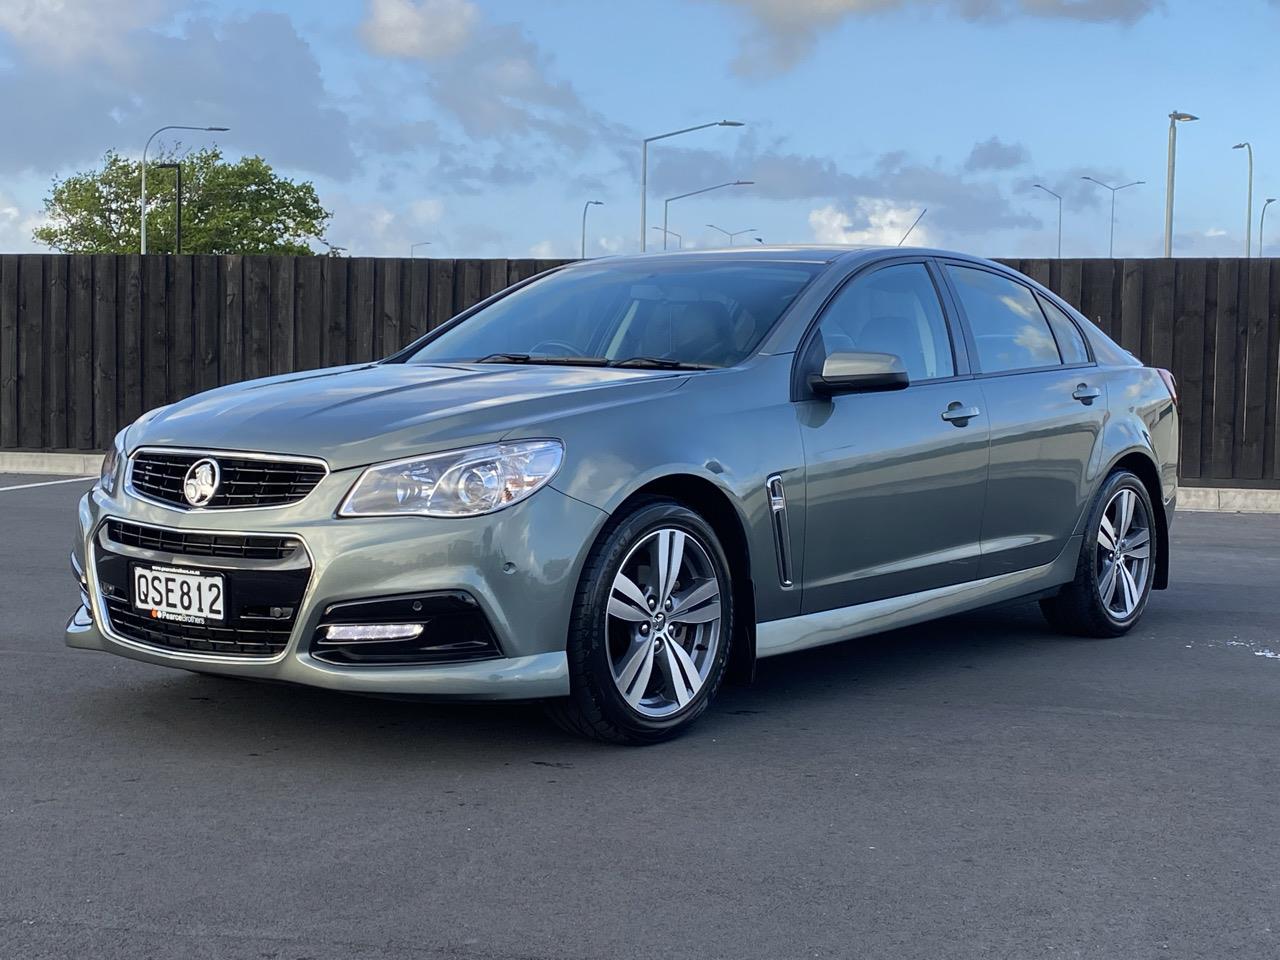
{"points": [[169, 593]]}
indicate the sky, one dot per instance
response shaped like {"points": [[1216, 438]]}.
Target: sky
{"points": [[483, 126]]}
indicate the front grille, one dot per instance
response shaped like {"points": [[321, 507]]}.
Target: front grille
{"points": [[261, 602], [245, 482], [202, 544]]}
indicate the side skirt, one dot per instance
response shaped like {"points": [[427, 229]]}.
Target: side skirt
{"points": [[845, 623]]}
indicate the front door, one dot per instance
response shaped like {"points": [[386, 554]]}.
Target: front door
{"points": [[895, 480]]}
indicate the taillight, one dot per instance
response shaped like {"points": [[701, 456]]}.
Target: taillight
{"points": [[1169, 382]]}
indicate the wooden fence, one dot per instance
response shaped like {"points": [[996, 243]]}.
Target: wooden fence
{"points": [[87, 343]]}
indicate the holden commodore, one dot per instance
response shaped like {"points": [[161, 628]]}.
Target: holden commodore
{"points": [[613, 485]]}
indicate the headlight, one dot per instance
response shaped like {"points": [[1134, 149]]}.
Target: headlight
{"points": [[110, 470], [459, 483]]}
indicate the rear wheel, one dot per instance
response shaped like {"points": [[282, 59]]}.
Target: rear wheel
{"points": [[651, 626], [1117, 564]]}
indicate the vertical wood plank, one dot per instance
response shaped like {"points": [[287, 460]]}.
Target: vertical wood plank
{"points": [[308, 311], [440, 302], [493, 277], [1037, 270], [80, 358], [1158, 313], [155, 331], [1188, 359], [360, 312], [1128, 333], [466, 284], [57, 349], [181, 327], [1070, 282], [1224, 362], [231, 320], [1251, 432], [206, 332], [1205, 413], [8, 350], [257, 316], [105, 349], [1271, 455], [30, 351], [334, 333], [388, 309], [282, 358], [522, 269], [1096, 300]]}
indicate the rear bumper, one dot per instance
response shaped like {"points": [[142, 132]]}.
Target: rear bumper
{"points": [[520, 565]]}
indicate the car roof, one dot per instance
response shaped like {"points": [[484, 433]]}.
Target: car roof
{"points": [[798, 253]]}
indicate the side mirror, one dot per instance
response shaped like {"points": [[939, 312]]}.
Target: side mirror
{"points": [[859, 373]]}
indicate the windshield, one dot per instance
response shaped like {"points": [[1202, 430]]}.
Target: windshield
{"points": [[696, 314]]}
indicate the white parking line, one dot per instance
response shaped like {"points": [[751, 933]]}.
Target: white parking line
{"points": [[46, 483]]}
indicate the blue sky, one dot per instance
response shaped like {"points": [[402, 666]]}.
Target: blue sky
{"points": [[483, 125]]}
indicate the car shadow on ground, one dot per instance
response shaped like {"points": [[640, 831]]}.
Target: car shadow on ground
{"points": [[215, 714]]}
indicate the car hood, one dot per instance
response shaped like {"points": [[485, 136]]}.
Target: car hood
{"points": [[356, 415]]}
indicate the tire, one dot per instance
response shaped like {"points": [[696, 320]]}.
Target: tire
{"points": [[641, 669], [1108, 596]]}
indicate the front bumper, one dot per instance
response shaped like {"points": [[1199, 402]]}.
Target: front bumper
{"points": [[521, 566]]}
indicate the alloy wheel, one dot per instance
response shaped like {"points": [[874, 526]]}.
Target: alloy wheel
{"points": [[1124, 554], [663, 622]]}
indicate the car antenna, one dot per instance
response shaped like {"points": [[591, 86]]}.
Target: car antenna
{"points": [[913, 226]]}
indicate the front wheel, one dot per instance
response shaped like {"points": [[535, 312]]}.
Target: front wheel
{"points": [[651, 627], [1117, 564]]}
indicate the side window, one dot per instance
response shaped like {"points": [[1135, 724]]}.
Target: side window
{"points": [[893, 310], [1008, 328], [1070, 340]]}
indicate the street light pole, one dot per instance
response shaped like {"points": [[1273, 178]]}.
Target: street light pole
{"points": [[177, 230], [415, 246], [644, 167], [1111, 247], [145, 147], [1059, 196], [666, 204], [1248, 216], [1174, 119], [679, 239], [1262, 225], [731, 233], [585, 206]]}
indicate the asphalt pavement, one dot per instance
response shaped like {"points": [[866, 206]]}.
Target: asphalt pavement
{"points": [[972, 788]]}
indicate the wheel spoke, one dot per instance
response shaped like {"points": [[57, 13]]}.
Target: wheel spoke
{"points": [[1107, 535], [1139, 545], [1107, 585], [634, 679], [1124, 511], [698, 605], [685, 682], [627, 601], [1130, 588], [670, 556]]}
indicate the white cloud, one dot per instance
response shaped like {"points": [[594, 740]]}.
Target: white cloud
{"points": [[63, 31], [16, 227], [875, 222], [543, 250], [784, 31], [427, 210], [425, 30]]}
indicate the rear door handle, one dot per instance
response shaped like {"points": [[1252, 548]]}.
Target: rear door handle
{"points": [[958, 414], [1086, 394]]}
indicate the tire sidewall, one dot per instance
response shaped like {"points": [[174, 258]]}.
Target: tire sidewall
{"points": [[1115, 483], [588, 628]]}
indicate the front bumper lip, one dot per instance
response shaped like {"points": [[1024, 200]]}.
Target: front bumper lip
{"points": [[533, 677]]}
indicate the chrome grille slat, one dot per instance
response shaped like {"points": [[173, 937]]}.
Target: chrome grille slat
{"points": [[247, 481]]}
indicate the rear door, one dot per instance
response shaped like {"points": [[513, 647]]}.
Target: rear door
{"points": [[1046, 405], [895, 480]]}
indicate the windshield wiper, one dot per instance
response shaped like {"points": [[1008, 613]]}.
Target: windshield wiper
{"points": [[529, 358], [661, 363]]}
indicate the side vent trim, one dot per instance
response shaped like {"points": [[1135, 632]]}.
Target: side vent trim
{"points": [[781, 527]]}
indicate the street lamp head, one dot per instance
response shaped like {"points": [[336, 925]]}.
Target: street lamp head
{"points": [[1182, 117], [595, 203], [743, 183], [218, 129], [1240, 146], [731, 123]]}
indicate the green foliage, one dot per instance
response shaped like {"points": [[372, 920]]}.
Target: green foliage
{"points": [[241, 207]]}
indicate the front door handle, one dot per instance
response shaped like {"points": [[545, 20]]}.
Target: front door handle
{"points": [[1086, 394], [958, 414]]}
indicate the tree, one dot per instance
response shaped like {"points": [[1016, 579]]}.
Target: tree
{"points": [[241, 207]]}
